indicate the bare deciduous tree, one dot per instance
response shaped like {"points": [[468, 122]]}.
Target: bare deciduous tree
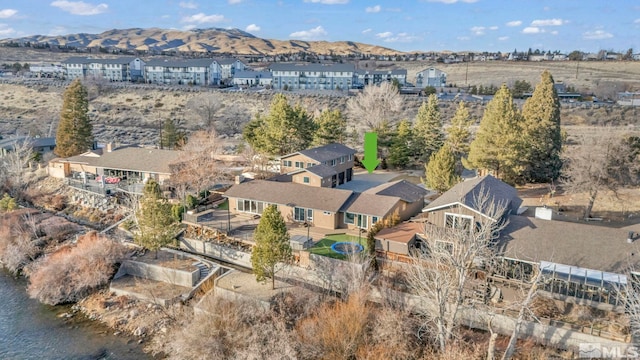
{"points": [[376, 105], [15, 166], [196, 168], [604, 161], [441, 271], [206, 106]]}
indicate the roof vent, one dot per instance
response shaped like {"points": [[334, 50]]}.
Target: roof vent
{"points": [[630, 237]]}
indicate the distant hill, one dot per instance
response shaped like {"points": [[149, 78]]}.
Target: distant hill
{"points": [[218, 40]]}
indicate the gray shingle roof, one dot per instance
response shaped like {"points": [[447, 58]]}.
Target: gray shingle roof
{"points": [[292, 194], [589, 246], [403, 189], [85, 60], [312, 67], [180, 62], [322, 170], [325, 152], [467, 193], [382, 72], [225, 61], [370, 204], [10, 143], [131, 158], [249, 74]]}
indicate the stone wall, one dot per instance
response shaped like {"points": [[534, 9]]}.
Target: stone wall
{"points": [[159, 273], [216, 251]]}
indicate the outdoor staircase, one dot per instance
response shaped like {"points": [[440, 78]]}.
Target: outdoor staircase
{"points": [[204, 270], [481, 292]]}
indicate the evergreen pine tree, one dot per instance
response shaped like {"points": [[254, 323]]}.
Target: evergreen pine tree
{"points": [[399, 151], [440, 172], [171, 138], [542, 132], [498, 144], [331, 128], [74, 135], [284, 130], [272, 245], [156, 224], [427, 129], [458, 134]]}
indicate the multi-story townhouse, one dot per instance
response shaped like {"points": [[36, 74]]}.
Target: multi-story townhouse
{"points": [[314, 76], [431, 77], [229, 66], [203, 72], [375, 77], [252, 78], [120, 69]]}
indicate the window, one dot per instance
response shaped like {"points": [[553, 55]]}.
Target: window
{"points": [[305, 179], [349, 218], [309, 165], [286, 163], [456, 221], [350, 157], [374, 220], [444, 245], [299, 164], [310, 214], [333, 162], [298, 214], [341, 159]]}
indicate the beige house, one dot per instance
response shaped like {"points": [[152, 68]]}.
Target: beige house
{"points": [[325, 166], [115, 164]]}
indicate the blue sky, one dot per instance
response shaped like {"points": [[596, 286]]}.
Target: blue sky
{"points": [[405, 25]]}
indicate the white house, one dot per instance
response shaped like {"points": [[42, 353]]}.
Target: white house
{"points": [[252, 78], [120, 69], [313, 76], [228, 67], [431, 77]]}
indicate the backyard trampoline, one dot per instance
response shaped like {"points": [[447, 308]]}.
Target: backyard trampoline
{"points": [[347, 248]]}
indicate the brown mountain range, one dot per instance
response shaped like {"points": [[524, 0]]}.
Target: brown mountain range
{"points": [[232, 41]]}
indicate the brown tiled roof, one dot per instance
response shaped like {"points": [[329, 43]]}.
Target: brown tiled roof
{"points": [[321, 170], [370, 204], [588, 246], [467, 192], [402, 233], [403, 189], [291, 194], [130, 158]]}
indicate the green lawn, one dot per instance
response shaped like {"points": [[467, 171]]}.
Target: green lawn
{"points": [[323, 247], [224, 205]]}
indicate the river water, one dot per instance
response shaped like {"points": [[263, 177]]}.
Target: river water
{"points": [[30, 330]]}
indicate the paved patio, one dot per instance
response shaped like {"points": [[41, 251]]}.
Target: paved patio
{"points": [[363, 180]]}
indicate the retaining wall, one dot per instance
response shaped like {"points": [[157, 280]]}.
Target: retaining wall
{"points": [[159, 273], [216, 251]]}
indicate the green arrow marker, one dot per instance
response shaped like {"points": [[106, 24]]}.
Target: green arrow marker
{"points": [[370, 160]]}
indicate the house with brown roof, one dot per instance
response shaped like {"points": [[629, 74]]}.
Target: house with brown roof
{"points": [[114, 164], [467, 201], [329, 165], [305, 192]]}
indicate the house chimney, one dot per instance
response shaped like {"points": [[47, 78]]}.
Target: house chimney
{"points": [[630, 237], [109, 147], [239, 179]]}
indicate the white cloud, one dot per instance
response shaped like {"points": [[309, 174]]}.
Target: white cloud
{"points": [[311, 34], [373, 9], [234, 2], [80, 7], [188, 5], [452, 1], [252, 28], [7, 13], [463, 38], [5, 30], [597, 35], [165, 16], [402, 37], [532, 30], [366, 31], [478, 30], [554, 32], [636, 21], [202, 18], [548, 22], [503, 38], [514, 23], [328, 2], [493, 27]]}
